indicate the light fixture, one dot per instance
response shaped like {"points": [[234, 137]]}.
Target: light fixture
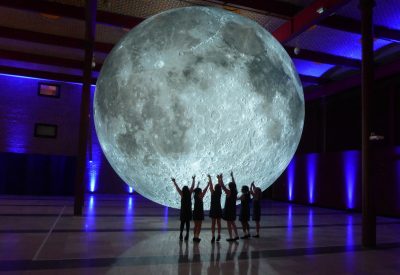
{"points": [[321, 10]]}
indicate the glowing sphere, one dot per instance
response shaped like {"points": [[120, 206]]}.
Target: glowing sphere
{"points": [[197, 91]]}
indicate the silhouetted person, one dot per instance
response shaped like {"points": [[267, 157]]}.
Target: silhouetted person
{"points": [[244, 216], [257, 194], [186, 206], [198, 211], [215, 209], [229, 213]]}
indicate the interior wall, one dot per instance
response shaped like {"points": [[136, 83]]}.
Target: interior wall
{"points": [[324, 171], [46, 166]]}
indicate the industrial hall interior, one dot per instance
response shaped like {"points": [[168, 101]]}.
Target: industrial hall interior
{"points": [[200, 137]]}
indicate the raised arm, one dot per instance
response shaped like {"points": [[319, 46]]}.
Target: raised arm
{"points": [[252, 189], [221, 183], [193, 182], [176, 186], [233, 179], [210, 184], [205, 190]]}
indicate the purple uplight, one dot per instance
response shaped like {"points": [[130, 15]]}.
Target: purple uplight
{"points": [[94, 160], [130, 190], [290, 174], [311, 175], [351, 160]]}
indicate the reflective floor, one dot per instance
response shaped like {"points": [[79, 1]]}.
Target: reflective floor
{"points": [[131, 235]]}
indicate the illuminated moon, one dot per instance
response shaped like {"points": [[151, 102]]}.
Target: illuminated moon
{"points": [[197, 90]]}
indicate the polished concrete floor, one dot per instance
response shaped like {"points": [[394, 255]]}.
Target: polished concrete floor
{"points": [[131, 235]]}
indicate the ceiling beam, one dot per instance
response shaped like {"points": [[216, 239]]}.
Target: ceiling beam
{"points": [[307, 18], [385, 70], [325, 58], [40, 74], [75, 12], [275, 8], [354, 26], [51, 39], [311, 79], [41, 59]]}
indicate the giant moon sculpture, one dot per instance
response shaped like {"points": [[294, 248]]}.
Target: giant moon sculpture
{"points": [[199, 91]]}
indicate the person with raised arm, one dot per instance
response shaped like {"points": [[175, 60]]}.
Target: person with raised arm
{"points": [[198, 211], [215, 208], [256, 194], [229, 213], [186, 206], [244, 215]]}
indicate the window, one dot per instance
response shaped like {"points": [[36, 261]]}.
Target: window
{"points": [[45, 130], [49, 90]]}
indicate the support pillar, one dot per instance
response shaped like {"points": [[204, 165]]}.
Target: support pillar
{"points": [[90, 30], [367, 84]]}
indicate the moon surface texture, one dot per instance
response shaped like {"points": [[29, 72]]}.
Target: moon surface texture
{"points": [[197, 91]]}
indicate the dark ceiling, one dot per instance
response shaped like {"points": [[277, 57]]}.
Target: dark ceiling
{"points": [[45, 39]]}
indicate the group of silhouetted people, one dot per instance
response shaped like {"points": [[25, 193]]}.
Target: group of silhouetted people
{"points": [[228, 213]]}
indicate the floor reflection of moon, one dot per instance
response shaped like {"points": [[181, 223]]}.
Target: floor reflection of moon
{"points": [[197, 91]]}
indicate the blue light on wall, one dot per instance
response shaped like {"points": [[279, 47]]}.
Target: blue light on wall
{"points": [[351, 162], [311, 175], [95, 158], [165, 225], [130, 190], [334, 42], [349, 233], [311, 68], [90, 221], [289, 222], [310, 234], [290, 174]]}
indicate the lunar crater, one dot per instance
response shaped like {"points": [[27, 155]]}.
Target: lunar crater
{"points": [[197, 91]]}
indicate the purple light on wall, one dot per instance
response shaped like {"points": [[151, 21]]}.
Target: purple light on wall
{"points": [[310, 236], [350, 162], [94, 160], [165, 225], [90, 214], [290, 174], [91, 204], [289, 222], [130, 212], [349, 232], [92, 168], [311, 175]]}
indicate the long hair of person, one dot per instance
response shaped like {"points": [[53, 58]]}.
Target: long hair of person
{"points": [[185, 193], [245, 189], [197, 192], [232, 187]]}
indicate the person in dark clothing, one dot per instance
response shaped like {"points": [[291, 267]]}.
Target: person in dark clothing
{"points": [[229, 213], [257, 194], [244, 216], [215, 209], [186, 206], [198, 211]]}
